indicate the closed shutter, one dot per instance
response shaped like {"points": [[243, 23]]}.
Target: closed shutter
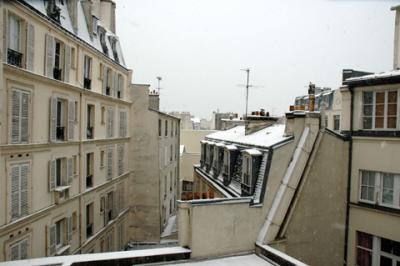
{"points": [[69, 229], [110, 122], [71, 120], [52, 175], [52, 240], [67, 63], [24, 246], [49, 60], [121, 85], [122, 124], [109, 162], [53, 119], [15, 116], [120, 151], [114, 83], [15, 191], [70, 170], [30, 47], [104, 79], [24, 189], [25, 101], [6, 34]]}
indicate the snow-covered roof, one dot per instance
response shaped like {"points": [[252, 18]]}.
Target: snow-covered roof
{"points": [[253, 152], [244, 260], [265, 137], [231, 147], [387, 74], [195, 120], [219, 144], [83, 30]]}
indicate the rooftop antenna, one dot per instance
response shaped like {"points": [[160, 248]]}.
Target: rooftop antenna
{"points": [[158, 81], [247, 88]]}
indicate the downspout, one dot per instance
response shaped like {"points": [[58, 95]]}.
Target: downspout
{"points": [[80, 170], [346, 233]]}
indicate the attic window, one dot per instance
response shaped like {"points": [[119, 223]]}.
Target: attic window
{"points": [[113, 42], [95, 22], [102, 35], [53, 11]]}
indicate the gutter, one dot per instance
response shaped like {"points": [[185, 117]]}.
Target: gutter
{"points": [[346, 232]]}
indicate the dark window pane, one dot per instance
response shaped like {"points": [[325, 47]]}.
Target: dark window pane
{"points": [[367, 97], [386, 245], [385, 261], [396, 248], [364, 257], [364, 240], [378, 122], [367, 122], [368, 110]]}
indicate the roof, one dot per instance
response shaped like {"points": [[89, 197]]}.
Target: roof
{"points": [[388, 77], [253, 152], [83, 30], [265, 137], [246, 260]]}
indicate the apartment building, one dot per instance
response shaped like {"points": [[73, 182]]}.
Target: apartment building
{"points": [[155, 180], [64, 138]]}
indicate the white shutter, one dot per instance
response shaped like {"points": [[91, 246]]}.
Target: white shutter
{"points": [[114, 83], [120, 151], [121, 85], [109, 162], [110, 122], [70, 170], [25, 100], [52, 239], [49, 62], [6, 34], [15, 115], [52, 175], [53, 119], [122, 123], [67, 63], [30, 47], [15, 191], [24, 189], [165, 155], [104, 78], [69, 229], [71, 120]]}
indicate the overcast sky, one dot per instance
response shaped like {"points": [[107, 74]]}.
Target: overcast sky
{"points": [[199, 47]]}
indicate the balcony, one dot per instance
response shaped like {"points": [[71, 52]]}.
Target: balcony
{"points": [[89, 181], [108, 91], [87, 83], [14, 58], [57, 73], [60, 133], [89, 230], [89, 132]]}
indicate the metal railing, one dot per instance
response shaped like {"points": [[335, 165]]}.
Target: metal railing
{"points": [[14, 58], [87, 83]]}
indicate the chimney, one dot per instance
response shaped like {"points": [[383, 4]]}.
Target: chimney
{"points": [[311, 94], [107, 16], [154, 100], [256, 121], [87, 10], [396, 52]]}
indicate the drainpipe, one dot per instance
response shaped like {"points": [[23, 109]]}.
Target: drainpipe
{"points": [[346, 233]]}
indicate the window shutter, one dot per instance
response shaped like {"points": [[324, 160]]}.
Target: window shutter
{"points": [[67, 63], [109, 162], [115, 210], [70, 170], [102, 205], [24, 189], [71, 120], [6, 34], [110, 122], [49, 62], [14, 252], [52, 175], [53, 119], [104, 73], [120, 151], [30, 47], [15, 192], [24, 245], [69, 229], [25, 100], [15, 115], [121, 85], [122, 123], [52, 236], [115, 83]]}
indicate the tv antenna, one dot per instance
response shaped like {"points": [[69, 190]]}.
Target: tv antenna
{"points": [[159, 78], [247, 86]]}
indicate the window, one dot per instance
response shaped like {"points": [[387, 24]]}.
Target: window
{"points": [[20, 106], [89, 220], [90, 122], [170, 153], [110, 122], [59, 234], [226, 162], [109, 162], [166, 127], [89, 169], [380, 110], [380, 188], [246, 172], [373, 250], [103, 114], [113, 42], [336, 122], [61, 173], [53, 11], [165, 155], [19, 190], [60, 179], [159, 127], [108, 81], [121, 153], [19, 250], [62, 119], [123, 124], [14, 55], [110, 204], [172, 128], [170, 181], [57, 71], [165, 186], [102, 159], [87, 72], [73, 57], [106, 207], [95, 21], [102, 36], [74, 221]]}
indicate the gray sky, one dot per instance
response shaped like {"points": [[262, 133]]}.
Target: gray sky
{"points": [[199, 47]]}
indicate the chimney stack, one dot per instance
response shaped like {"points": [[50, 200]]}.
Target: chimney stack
{"points": [[257, 121], [396, 52], [108, 14]]}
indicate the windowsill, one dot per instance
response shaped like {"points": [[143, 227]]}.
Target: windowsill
{"points": [[61, 188], [61, 250]]}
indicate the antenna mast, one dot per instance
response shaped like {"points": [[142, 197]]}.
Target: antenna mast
{"points": [[159, 80], [247, 88]]}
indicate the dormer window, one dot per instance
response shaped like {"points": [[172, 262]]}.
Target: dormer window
{"points": [[53, 11], [102, 36], [113, 42], [250, 168], [95, 21]]}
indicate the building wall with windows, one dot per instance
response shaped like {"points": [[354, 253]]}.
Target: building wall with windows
{"points": [[58, 107]]}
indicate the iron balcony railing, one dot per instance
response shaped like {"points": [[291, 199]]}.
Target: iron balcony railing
{"points": [[87, 83], [14, 58]]}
